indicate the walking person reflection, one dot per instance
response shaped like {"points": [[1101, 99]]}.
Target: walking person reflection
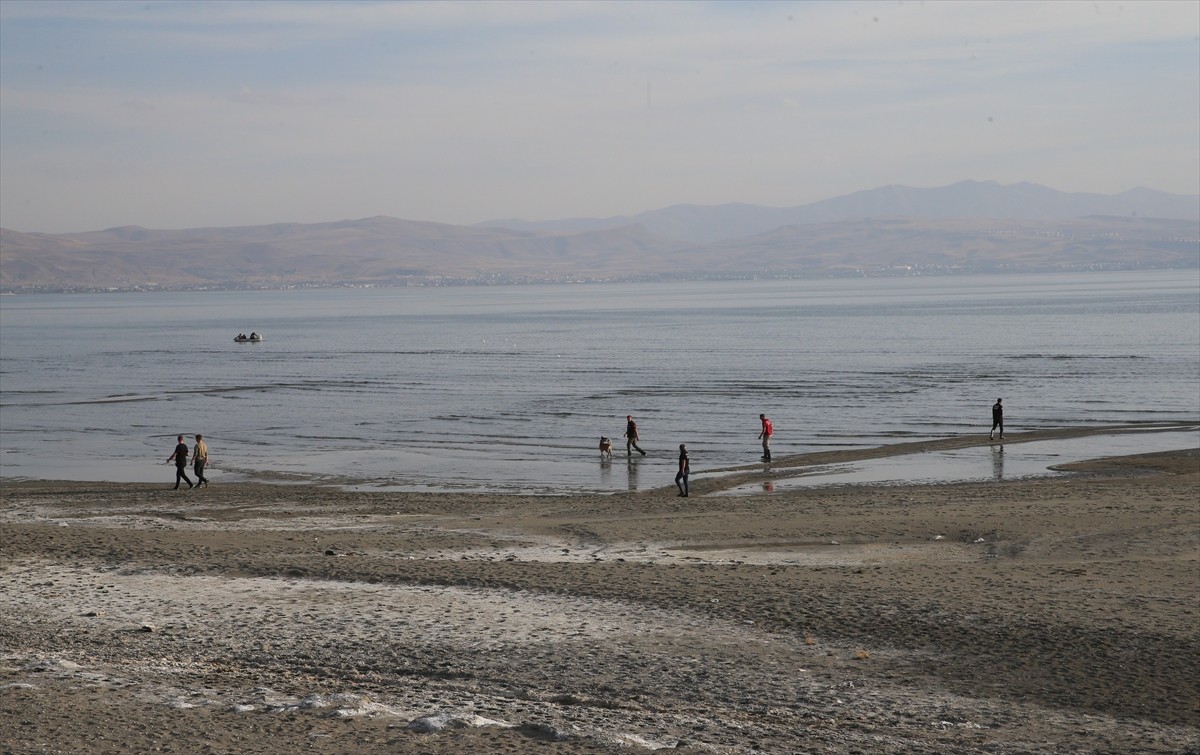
{"points": [[998, 463]]}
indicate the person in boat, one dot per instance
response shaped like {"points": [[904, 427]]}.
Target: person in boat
{"points": [[253, 335]]}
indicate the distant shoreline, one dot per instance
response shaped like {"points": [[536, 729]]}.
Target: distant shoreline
{"points": [[901, 271], [718, 479]]}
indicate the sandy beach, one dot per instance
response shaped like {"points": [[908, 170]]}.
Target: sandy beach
{"points": [[1056, 615]]}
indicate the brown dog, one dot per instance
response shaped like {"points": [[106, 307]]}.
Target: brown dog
{"points": [[605, 447]]}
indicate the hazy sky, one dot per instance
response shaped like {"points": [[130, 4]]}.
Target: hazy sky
{"points": [[187, 114]]}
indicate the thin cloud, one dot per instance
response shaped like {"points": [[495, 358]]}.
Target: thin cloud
{"points": [[464, 111]]}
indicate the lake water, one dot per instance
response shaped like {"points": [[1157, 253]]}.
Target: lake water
{"points": [[510, 387]]}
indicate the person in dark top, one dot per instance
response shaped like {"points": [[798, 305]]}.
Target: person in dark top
{"points": [[180, 458], [681, 477], [997, 420], [631, 436]]}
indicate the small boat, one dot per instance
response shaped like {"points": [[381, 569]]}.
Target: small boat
{"points": [[254, 337]]}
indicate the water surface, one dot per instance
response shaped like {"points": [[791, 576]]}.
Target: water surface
{"points": [[509, 388]]}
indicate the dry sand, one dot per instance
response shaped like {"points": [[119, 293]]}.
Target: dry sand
{"points": [[1036, 616]]}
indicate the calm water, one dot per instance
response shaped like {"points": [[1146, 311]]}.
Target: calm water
{"points": [[509, 388]]}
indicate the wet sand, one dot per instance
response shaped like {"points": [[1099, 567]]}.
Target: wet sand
{"points": [[1025, 616]]}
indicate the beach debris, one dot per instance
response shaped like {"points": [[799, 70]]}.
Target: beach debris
{"points": [[834, 542], [568, 698], [939, 537], [544, 732], [635, 740], [344, 704], [148, 628], [367, 709], [955, 725], [53, 664], [861, 655], [445, 720], [979, 540]]}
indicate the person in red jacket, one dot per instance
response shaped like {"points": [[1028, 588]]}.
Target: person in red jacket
{"points": [[767, 432]]}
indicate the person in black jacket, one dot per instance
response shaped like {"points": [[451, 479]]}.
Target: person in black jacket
{"points": [[180, 458], [997, 420]]}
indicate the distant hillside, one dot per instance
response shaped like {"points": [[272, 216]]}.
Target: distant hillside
{"points": [[967, 199], [898, 231], [898, 245], [380, 250]]}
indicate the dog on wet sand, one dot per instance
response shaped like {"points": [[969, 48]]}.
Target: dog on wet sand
{"points": [[605, 447]]}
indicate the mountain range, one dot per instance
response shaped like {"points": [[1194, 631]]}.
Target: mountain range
{"points": [[966, 227], [966, 199]]}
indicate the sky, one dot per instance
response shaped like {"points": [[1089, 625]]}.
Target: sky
{"points": [[197, 114]]}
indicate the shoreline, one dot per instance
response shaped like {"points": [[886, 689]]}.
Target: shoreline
{"points": [[710, 480], [1043, 615], [796, 464]]}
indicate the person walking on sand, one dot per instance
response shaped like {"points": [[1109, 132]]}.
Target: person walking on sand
{"points": [[180, 458], [997, 419], [681, 477], [767, 431], [631, 436], [200, 460]]}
